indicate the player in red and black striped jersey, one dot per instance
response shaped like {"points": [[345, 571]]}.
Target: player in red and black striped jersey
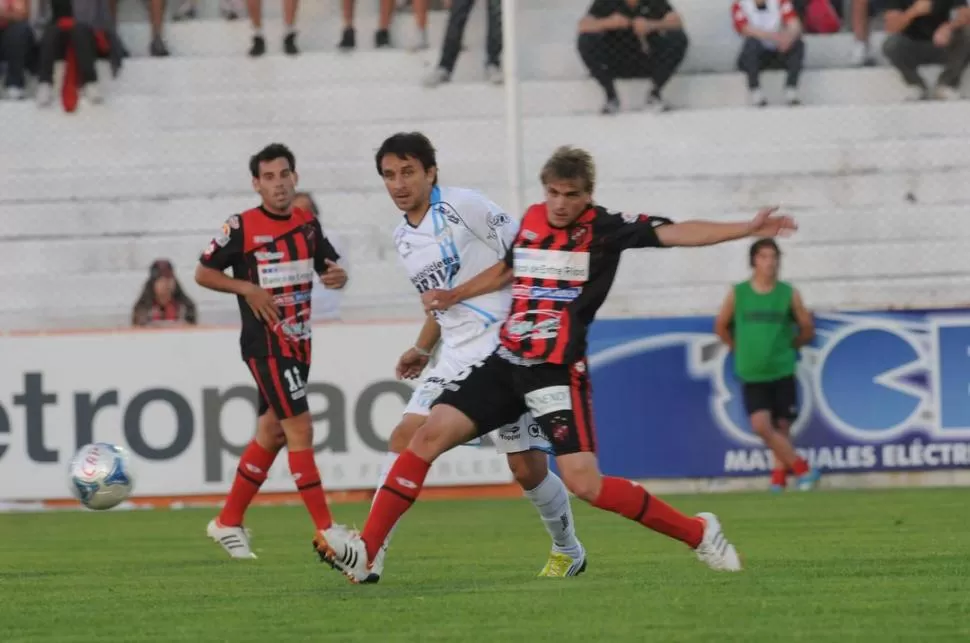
{"points": [[561, 267], [275, 252]]}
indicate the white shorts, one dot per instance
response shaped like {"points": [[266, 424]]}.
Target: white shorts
{"points": [[520, 436]]}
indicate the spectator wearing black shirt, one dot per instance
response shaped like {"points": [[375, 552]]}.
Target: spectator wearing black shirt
{"points": [[924, 32], [632, 39], [16, 45]]}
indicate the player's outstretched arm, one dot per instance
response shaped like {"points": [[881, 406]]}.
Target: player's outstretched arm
{"points": [[495, 278], [707, 233]]}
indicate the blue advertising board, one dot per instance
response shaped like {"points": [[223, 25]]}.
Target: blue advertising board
{"points": [[883, 391]]}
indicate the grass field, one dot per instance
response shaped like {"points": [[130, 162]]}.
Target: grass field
{"points": [[829, 566]]}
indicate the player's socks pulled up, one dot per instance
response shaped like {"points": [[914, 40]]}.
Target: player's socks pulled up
{"points": [[254, 466], [800, 467], [551, 500], [632, 501], [779, 477], [394, 498], [307, 477]]}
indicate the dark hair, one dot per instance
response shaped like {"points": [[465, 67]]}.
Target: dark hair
{"points": [[569, 163], [146, 300], [758, 245], [269, 153], [405, 144]]}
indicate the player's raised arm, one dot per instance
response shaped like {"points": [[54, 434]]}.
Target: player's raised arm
{"points": [[806, 324], [495, 278], [722, 323], [226, 251], [707, 233]]}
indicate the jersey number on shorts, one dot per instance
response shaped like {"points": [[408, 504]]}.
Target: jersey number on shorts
{"points": [[293, 378]]}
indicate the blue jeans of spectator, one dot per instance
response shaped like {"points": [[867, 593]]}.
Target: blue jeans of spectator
{"points": [[16, 48], [756, 57]]}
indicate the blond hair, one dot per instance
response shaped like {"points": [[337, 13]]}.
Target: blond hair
{"points": [[569, 163]]}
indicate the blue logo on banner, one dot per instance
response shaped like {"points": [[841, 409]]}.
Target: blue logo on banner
{"points": [[877, 391]]}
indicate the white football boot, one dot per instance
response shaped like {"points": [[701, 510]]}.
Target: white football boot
{"points": [[715, 551], [235, 540], [345, 551]]}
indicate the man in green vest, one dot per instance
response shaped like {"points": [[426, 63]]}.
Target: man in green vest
{"points": [[758, 321]]}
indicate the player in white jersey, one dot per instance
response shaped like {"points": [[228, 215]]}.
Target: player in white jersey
{"points": [[448, 236]]}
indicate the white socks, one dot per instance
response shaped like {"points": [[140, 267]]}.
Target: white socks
{"points": [[552, 501]]}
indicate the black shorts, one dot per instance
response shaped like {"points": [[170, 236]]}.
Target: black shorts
{"points": [[282, 385], [779, 397], [495, 392]]}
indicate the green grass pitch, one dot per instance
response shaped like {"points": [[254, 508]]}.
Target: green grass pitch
{"points": [[826, 566]]}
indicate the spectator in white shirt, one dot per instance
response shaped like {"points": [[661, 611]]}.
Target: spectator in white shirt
{"points": [[772, 39]]}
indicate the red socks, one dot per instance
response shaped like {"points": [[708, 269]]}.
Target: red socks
{"points": [[400, 490], [633, 502], [253, 467], [779, 477], [800, 467], [307, 478]]}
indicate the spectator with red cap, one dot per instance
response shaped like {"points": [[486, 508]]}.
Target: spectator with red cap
{"points": [[162, 301]]}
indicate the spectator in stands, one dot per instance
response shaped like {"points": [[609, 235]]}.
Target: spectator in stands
{"points": [[230, 10], [772, 39], [326, 301], [84, 27], [457, 19], [289, 20], [924, 32], [16, 46], [162, 301], [632, 39], [156, 14], [862, 12], [382, 37]]}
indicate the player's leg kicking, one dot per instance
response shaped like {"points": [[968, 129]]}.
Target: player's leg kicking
{"points": [[290, 406], [526, 450], [559, 399]]}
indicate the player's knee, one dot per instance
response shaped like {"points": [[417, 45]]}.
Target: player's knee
{"points": [[582, 478], [529, 468], [761, 424], [269, 433], [299, 432], [430, 440], [404, 432]]}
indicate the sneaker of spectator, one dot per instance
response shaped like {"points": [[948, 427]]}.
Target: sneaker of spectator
{"points": [[772, 39], [926, 32], [632, 39], [162, 300], [382, 37], [16, 46], [862, 12], [86, 27], [457, 19], [258, 47]]}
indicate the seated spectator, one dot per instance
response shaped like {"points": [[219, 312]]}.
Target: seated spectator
{"points": [[632, 39], [772, 39], [925, 32], [156, 16], [162, 301], [862, 12], [326, 301], [16, 46], [457, 19], [382, 37], [83, 28], [289, 19], [230, 10]]}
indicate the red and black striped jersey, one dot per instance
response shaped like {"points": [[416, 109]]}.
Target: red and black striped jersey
{"points": [[279, 254], [561, 278]]}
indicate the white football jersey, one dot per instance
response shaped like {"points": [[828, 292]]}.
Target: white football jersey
{"points": [[462, 234]]}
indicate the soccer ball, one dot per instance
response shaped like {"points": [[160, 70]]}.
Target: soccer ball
{"points": [[101, 475]]}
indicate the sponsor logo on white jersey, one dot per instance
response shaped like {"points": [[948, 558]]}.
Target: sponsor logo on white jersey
{"points": [[548, 400], [288, 273], [559, 265], [520, 291]]}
